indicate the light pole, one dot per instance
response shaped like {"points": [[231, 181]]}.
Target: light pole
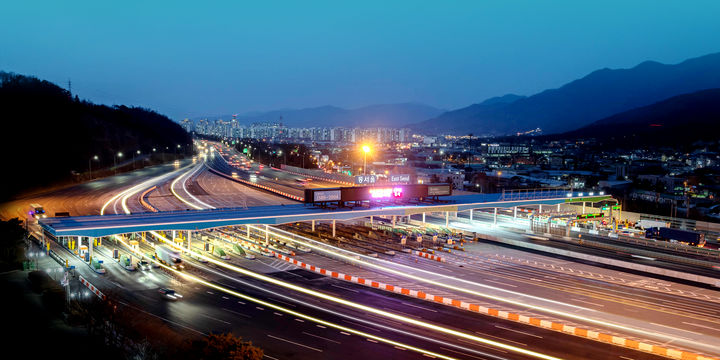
{"points": [[90, 164], [119, 155], [366, 150]]}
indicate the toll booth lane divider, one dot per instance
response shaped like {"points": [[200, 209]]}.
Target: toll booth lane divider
{"points": [[92, 288], [545, 324], [429, 256], [144, 203]]}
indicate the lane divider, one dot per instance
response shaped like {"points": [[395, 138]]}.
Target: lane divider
{"points": [[92, 288], [146, 204], [315, 177], [545, 324], [429, 256], [259, 186]]}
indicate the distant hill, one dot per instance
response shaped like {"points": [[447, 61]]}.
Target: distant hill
{"points": [[387, 115], [600, 94], [677, 121], [47, 134]]}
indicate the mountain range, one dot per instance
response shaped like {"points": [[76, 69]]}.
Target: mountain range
{"points": [[677, 121], [600, 94], [385, 115]]}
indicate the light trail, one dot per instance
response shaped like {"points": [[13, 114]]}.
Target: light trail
{"points": [[284, 309], [131, 191], [366, 308], [185, 177], [353, 259]]}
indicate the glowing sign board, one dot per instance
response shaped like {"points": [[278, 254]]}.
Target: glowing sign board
{"points": [[329, 195], [384, 193]]}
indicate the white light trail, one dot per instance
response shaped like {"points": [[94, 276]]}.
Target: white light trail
{"points": [[366, 308]]}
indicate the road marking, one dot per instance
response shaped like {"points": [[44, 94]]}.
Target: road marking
{"points": [[216, 319], [480, 345], [299, 320], [518, 331], [418, 306], [462, 353], [503, 339], [344, 288], [320, 337], [501, 283], [226, 298], [286, 303], [237, 313], [277, 313], [626, 358], [259, 308], [210, 292], [270, 357], [587, 302], [294, 343], [241, 303], [344, 333], [702, 326], [321, 326]]}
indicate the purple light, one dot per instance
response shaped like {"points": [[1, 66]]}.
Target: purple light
{"points": [[384, 193]]}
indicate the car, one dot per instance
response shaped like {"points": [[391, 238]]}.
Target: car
{"points": [[249, 256], [144, 265], [169, 294]]}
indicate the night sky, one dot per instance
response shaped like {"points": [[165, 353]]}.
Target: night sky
{"points": [[188, 59]]}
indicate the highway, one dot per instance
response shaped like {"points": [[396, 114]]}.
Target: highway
{"points": [[294, 313]]}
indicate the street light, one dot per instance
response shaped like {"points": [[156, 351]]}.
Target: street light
{"points": [[119, 155], [90, 164], [366, 150]]}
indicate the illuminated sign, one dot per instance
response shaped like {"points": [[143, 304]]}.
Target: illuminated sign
{"points": [[590, 216], [330, 195], [384, 193], [400, 178], [365, 179]]}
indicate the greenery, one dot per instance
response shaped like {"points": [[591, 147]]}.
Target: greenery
{"points": [[12, 250], [50, 137]]}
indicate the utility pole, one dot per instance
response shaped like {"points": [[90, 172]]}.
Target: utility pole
{"points": [[70, 87]]}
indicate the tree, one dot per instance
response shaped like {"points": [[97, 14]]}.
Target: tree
{"points": [[12, 251], [224, 347]]}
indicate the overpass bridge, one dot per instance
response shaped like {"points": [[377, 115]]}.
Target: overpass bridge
{"points": [[107, 225]]}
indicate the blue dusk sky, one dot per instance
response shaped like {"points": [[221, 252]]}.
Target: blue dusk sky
{"points": [[188, 59]]}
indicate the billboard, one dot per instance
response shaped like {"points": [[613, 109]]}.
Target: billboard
{"points": [[326, 195], [439, 190], [365, 179]]}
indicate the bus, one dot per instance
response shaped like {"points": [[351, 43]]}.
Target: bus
{"points": [[37, 211]]}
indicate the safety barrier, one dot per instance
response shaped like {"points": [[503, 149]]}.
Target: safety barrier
{"points": [[316, 177], [92, 288], [266, 188], [545, 324], [430, 256]]}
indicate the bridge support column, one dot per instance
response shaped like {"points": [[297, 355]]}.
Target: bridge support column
{"points": [[189, 237], [312, 225], [583, 207], [514, 213], [247, 227], [540, 209], [267, 235], [494, 216], [371, 220], [333, 228], [567, 228], [393, 221], [91, 242], [142, 236], [471, 214], [79, 244], [558, 208], [447, 218], [173, 236]]}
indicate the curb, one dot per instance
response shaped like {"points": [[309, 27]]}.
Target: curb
{"points": [[545, 324]]}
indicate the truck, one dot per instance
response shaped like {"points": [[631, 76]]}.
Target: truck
{"points": [[646, 224], [169, 256], [670, 234]]}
